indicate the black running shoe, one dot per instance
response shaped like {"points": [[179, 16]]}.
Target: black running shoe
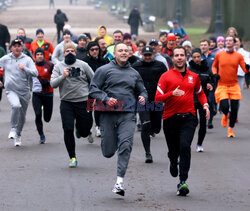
{"points": [[210, 125], [149, 158], [182, 189], [173, 169]]}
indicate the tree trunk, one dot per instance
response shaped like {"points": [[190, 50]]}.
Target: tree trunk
{"points": [[186, 11], [211, 28]]}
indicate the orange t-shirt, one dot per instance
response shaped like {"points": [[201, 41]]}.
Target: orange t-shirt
{"points": [[228, 64], [47, 47]]}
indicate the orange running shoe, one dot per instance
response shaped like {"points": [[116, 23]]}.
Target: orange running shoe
{"points": [[224, 120], [230, 132]]}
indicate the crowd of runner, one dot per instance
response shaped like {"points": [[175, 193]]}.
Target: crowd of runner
{"points": [[114, 78]]}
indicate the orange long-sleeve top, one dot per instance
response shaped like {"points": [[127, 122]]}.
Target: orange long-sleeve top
{"points": [[228, 67]]}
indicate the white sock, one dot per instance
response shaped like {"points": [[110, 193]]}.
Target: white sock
{"points": [[119, 180]]}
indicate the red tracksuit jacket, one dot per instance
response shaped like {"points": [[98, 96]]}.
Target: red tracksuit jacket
{"points": [[168, 82]]}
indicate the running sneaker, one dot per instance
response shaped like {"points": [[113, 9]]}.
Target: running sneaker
{"points": [[230, 133], [119, 189], [90, 138], [73, 163], [97, 131], [42, 139], [210, 125], [139, 127], [182, 189], [224, 120], [12, 133], [199, 148], [17, 141], [173, 169], [149, 158], [153, 135]]}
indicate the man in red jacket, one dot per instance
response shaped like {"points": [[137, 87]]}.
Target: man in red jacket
{"points": [[176, 89]]}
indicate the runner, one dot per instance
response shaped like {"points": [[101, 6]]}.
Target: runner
{"points": [[118, 38], [134, 20], [94, 60], [18, 68], [228, 88], [102, 32], [117, 86], [42, 99], [42, 43], [59, 19], [105, 54], [171, 43], [200, 67], [73, 77], [176, 89], [151, 115], [58, 54], [154, 44]]}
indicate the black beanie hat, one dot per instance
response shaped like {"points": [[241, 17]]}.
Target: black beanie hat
{"points": [[39, 50], [82, 36], [196, 50], [213, 38], [91, 44]]}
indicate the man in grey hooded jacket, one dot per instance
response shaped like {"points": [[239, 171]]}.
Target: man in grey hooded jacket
{"points": [[18, 70], [73, 77], [117, 88]]}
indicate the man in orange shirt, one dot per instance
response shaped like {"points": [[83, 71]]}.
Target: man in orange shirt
{"points": [[42, 43], [225, 67]]}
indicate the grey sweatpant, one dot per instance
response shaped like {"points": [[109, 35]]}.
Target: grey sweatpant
{"points": [[117, 131], [19, 105]]}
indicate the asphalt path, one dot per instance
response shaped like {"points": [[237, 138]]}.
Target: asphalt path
{"points": [[37, 177]]}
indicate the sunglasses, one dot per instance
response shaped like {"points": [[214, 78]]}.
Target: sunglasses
{"points": [[94, 49]]}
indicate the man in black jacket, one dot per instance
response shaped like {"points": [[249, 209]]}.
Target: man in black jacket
{"points": [[200, 67], [95, 61], [134, 20], [151, 115], [60, 18], [4, 37]]}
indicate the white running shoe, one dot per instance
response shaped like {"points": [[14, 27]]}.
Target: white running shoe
{"points": [[199, 148], [12, 133], [17, 141], [97, 131], [119, 189]]}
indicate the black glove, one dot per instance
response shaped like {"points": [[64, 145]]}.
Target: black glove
{"points": [[247, 67], [217, 76], [44, 82]]}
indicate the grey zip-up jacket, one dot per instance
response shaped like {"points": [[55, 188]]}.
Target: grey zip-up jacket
{"points": [[15, 79], [58, 53], [120, 82], [75, 87]]}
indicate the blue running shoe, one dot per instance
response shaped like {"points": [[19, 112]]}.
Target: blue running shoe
{"points": [[182, 189], [73, 163], [42, 139]]}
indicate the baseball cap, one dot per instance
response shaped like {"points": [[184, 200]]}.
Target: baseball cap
{"points": [[16, 41], [175, 21], [153, 42], [147, 50]]}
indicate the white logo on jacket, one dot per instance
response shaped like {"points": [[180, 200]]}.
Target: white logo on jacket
{"points": [[190, 79]]}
